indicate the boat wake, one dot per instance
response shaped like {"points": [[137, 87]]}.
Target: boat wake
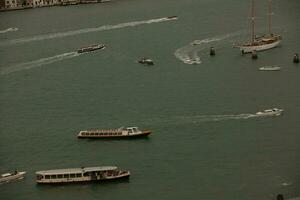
{"points": [[190, 54], [9, 30], [37, 63], [82, 31], [199, 119]]}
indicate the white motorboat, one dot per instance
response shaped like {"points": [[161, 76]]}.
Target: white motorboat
{"points": [[269, 68], [270, 112], [11, 176]]}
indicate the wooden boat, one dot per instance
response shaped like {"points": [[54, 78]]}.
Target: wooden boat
{"points": [[114, 133], [265, 42], [80, 175], [91, 48], [11, 176]]}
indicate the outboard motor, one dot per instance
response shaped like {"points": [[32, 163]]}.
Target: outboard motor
{"points": [[296, 58], [279, 197]]}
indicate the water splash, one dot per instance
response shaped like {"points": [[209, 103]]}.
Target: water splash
{"points": [[82, 31], [9, 30], [37, 63], [190, 54]]}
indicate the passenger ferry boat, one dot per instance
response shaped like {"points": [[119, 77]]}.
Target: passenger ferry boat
{"points": [[270, 112], [11, 176], [114, 133], [91, 48], [79, 175]]}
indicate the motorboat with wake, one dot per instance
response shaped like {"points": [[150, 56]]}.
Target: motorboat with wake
{"points": [[11, 176], [270, 112], [89, 48]]}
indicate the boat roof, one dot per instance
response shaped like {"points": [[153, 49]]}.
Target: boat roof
{"points": [[6, 174], [76, 170]]}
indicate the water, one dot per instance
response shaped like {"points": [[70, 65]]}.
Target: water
{"points": [[206, 142]]}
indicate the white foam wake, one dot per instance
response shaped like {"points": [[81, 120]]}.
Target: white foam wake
{"points": [[82, 31], [37, 63], [190, 54], [9, 30]]}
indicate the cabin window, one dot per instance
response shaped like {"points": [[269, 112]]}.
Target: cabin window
{"points": [[53, 176], [59, 176], [86, 174], [47, 177], [119, 133], [78, 175], [92, 133], [72, 175], [39, 177], [83, 133], [66, 175]]}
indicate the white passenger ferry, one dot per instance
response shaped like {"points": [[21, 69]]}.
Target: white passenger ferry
{"points": [[83, 174], [270, 112], [114, 133]]}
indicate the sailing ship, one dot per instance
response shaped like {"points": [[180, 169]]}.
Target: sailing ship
{"points": [[267, 41]]}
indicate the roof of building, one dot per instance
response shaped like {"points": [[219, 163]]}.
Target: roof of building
{"points": [[76, 170]]}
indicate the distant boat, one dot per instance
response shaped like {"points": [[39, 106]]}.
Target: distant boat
{"points": [[172, 17], [114, 133], [11, 176], [80, 175], [269, 68], [147, 61], [91, 48], [270, 112], [267, 41]]}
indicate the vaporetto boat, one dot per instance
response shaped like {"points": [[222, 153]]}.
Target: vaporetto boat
{"points": [[79, 175], [114, 133]]}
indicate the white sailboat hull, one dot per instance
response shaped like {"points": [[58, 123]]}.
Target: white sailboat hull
{"points": [[262, 47]]}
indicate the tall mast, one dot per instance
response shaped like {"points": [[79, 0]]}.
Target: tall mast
{"points": [[270, 16], [252, 22]]}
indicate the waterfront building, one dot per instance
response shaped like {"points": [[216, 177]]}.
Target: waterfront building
{"points": [[11, 4], [2, 4]]}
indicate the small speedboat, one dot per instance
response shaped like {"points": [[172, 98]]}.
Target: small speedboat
{"points": [[146, 61], [11, 176], [172, 17], [270, 112], [269, 68], [91, 48]]}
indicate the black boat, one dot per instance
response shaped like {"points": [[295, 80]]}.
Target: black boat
{"points": [[146, 61]]}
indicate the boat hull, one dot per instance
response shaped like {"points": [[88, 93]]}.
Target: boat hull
{"points": [[262, 47], [142, 134], [18, 176]]}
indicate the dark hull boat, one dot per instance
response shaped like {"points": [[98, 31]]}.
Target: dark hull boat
{"points": [[93, 47], [130, 132]]}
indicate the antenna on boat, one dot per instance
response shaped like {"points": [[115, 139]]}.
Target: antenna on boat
{"points": [[270, 13], [252, 22]]}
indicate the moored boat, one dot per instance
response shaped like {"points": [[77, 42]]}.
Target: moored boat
{"points": [[80, 175], [269, 68], [270, 112], [265, 42], [91, 48], [11, 176], [114, 133]]}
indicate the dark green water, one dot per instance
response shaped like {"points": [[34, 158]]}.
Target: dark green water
{"points": [[205, 142]]}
